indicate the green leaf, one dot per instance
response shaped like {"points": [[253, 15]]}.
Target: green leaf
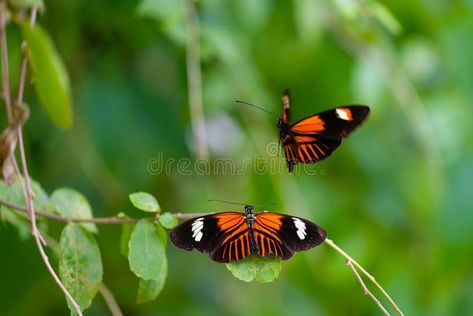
{"points": [[72, 204], [146, 255], [80, 264], [145, 202], [148, 290], [51, 77], [162, 234], [13, 194], [125, 238], [255, 267], [168, 220]]}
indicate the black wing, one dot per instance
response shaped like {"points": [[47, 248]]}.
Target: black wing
{"points": [[283, 235], [224, 236]]}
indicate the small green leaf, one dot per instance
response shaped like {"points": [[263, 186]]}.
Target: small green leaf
{"points": [[146, 255], [148, 290], [80, 264], [125, 238], [255, 267], [145, 202], [13, 194], [51, 77], [162, 234], [72, 204], [168, 220]]}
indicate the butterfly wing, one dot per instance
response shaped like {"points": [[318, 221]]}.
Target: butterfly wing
{"points": [[224, 236], [336, 123], [283, 235], [314, 138]]}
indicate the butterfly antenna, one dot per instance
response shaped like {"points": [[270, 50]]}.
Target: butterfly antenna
{"points": [[228, 202], [258, 107]]}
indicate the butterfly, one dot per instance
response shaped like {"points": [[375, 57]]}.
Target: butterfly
{"points": [[315, 137], [232, 236]]}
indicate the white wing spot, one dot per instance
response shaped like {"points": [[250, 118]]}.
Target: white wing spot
{"points": [[197, 227], [341, 113], [300, 225]]}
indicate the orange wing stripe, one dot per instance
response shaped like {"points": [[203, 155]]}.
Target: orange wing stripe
{"points": [[312, 125]]}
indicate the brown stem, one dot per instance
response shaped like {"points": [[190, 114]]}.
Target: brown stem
{"points": [[365, 288], [369, 276], [27, 185], [96, 220], [5, 72], [110, 300]]}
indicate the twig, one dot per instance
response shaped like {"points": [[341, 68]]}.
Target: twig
{"points": [[96, 220], [5, 72], [366, 290], [110, 300], [369, 276], [194, 81], [27, 186]]}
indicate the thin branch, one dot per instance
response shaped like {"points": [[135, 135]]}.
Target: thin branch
{"points": [[369, 276], [27, 186], [194, 81], [110, 300], [365, 288], [96, 220], [5, 71]]}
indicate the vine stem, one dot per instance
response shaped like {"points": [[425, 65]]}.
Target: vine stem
{"points": [[353, 264], [27, 185], [194, 81], [110, 300], [96, 220]]}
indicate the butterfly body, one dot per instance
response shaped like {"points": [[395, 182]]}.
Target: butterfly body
{"points": [[232, 236], [315, 137]]}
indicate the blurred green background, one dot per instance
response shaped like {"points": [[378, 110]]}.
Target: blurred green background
{"points": [[397, 195]]}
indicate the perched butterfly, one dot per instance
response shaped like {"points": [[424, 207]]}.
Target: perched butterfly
{"points": [[315, 137], [232, 236]]}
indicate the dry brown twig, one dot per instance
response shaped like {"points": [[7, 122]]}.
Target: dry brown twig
{"points": [[24, 168], [353, 264]]}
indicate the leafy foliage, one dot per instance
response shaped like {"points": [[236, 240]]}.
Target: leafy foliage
{"points": [[256, 268], [80, 264], [145, 202], [168, 220], [52, 80], [147, 259], [72, 204]]}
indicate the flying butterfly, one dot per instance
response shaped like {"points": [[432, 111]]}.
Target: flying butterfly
{"points": [[315, 137], [232, 236]]}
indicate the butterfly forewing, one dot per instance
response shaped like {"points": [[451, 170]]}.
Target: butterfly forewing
{"points": [[336, 123]]}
